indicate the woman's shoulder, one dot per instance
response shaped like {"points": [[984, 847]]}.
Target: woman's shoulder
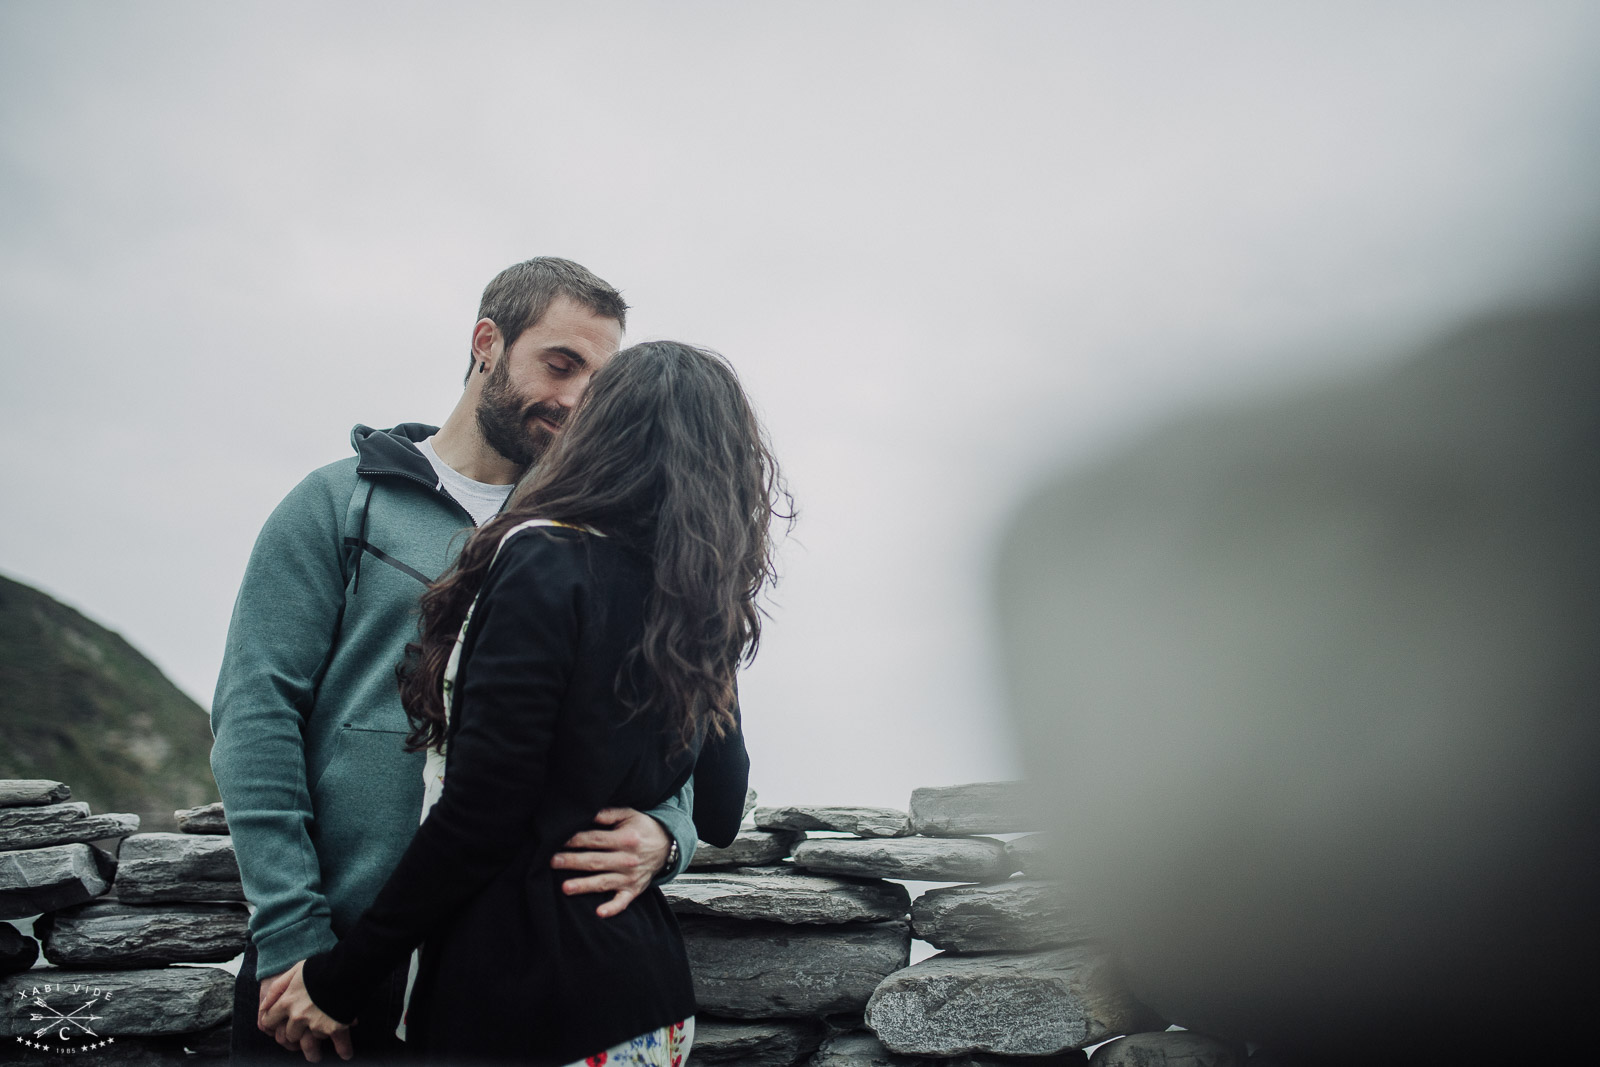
{"points": [[538, 532], [561, 554], [549, 572]]}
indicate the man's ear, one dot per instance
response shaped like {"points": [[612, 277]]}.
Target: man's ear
{"points": [[487, 344]]}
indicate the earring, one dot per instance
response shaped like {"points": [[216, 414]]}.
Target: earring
{"points": [[483, 366]]}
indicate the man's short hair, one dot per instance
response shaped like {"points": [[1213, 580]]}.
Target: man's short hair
{"points": [[519, 296]]}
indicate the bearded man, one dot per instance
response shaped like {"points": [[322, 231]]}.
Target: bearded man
{"points": [[321, 795]]}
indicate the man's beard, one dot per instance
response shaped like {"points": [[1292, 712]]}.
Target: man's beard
{"points": [[504, 420]]}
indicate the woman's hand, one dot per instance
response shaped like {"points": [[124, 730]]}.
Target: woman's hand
{"points": [[288, 1013]]}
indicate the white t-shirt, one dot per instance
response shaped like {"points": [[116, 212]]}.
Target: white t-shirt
{"points": [[481, 499]]}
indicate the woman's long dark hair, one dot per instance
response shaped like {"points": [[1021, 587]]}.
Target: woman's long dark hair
{"points": [[665, 453]]}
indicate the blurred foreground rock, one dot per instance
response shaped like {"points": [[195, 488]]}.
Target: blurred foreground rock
{"points": [[1310, 684]]}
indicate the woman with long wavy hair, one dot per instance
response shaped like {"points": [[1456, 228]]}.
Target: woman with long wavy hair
{"points": [[580, 655]]}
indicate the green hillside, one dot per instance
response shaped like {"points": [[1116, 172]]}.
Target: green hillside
{"points": [[80, 705]]}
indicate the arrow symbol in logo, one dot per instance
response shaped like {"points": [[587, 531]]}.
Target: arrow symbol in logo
{"points": [[56, 1017]]}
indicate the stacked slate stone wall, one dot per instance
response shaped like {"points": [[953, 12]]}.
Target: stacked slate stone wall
{"points": [[120, 908], [801, 944], [799, 934]]}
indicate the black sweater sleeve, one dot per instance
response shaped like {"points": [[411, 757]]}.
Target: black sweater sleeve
{"points": [[523, 641], [721, 778]]}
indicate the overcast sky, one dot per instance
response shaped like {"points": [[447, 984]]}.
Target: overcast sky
{"points": [[949, 246]]}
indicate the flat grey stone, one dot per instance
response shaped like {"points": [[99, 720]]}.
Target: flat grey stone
{"points": [[148, 1052], [44, 879], [212, 1042], [1035, 855], [779, 894], [68, 828], [208, 1048], [1173, 1048], [206, 819], [754, 1043], [25, 792], [915, 858], [178, 1050], [42, 815], [858, 1048], [18, 951], [1010, 1005], [107, 933], [105, 1051], [1070, 1058], [752, 848], [167, 1000], [170, 867], [863, 822], [979, 808], [756, 970], [1016, 915]]}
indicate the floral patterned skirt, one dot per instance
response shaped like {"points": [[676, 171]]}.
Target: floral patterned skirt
{"points": [[666, 1047]]}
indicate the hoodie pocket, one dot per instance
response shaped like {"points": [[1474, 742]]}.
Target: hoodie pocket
{"points": [[368, 801], [371, 769]]}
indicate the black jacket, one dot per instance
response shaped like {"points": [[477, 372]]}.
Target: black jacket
{"points": [[539, 741]]}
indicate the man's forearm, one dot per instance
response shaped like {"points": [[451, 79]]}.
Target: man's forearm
{"points": [[272, 842], [284, 622]]}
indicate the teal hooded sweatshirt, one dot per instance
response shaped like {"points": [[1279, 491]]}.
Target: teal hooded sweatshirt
{"points": [[321, 796]]}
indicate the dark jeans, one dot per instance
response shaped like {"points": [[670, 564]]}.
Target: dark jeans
{"points": [[373, 1036]]}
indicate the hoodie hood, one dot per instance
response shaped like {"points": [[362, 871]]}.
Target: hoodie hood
{"points": [[392, 454], [393, 451]]}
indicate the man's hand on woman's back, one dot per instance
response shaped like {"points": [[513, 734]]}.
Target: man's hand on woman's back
{"points": [[622, 860]]}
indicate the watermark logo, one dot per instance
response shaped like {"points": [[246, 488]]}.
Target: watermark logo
{"points": [[64, 1017]]}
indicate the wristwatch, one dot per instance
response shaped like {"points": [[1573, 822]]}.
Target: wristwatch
{"points": [[672, 855]]}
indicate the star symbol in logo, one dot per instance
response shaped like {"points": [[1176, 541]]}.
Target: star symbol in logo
{"points": [[42, 1047]]}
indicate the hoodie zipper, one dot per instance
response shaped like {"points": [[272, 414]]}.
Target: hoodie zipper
{"points": [[366, 505]]}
